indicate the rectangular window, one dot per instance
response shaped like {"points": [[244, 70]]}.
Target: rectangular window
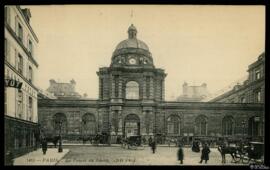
{"points": [[20, 64], [258, 96], [258, 74], [243, 100], [20, 32], [30, 74], [30, 46], [20, 104]]}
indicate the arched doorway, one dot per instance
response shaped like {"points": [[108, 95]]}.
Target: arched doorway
{"points": [[88, 124], [60, 122], [173, 125], [254, 126], [201, 125], [227, 126], [131, 125]]}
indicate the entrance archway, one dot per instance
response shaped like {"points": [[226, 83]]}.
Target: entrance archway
{"points": [[131, 125]]}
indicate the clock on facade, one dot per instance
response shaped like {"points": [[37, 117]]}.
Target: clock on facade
{"points": [[132, 61]]}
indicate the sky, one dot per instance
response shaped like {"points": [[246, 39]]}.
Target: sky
{"points": [[194, 44]]}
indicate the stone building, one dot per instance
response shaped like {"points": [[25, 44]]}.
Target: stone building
{"points": [[193, 93], [21, 118], [252, 90], [131, 102]]}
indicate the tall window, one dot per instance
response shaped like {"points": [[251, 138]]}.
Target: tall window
{"points": [[30, 45], [227, 125], [20, 32], [20, 103], [30, 108], [258, 74], [20, 64], [132, 90], [173, 125], [201, 125], [30, 74], [258, 96]]}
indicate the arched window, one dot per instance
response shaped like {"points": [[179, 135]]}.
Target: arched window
{"points": [[132, 90], [60, 122], [201, 125], [173, 125], [88, 124], [227, 125]]}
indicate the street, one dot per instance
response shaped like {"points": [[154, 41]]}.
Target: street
{"points": [[89, 155]]}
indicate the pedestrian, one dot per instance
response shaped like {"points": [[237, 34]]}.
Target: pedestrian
{"points": [[150, 140], [153, 146], [180, 154], [205, 153], [44, 146]]}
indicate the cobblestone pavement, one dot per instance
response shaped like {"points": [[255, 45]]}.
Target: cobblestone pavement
{"points": [[89, 155]]}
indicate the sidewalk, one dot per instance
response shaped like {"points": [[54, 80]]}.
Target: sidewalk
{"points": [[37, 158]]}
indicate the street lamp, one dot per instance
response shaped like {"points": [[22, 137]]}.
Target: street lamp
{"points": [[60, 149]]}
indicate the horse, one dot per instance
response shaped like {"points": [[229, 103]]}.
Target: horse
{"points": [[53, 140], [227, 150]]}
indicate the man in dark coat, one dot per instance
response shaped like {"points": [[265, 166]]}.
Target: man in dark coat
{"points": [[44, 146], [153, 146], [150, 141], [205, 153], [180, 154]]}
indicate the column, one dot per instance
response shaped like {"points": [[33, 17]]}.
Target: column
{"points": [[151, 88], [120, 122], [112, 86], [143, 123], [162, 89], [151, 122], [120, 87], [144, 87]]}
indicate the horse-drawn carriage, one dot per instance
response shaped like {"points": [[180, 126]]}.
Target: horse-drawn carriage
{"points": [[242, 153], [253, 152]]}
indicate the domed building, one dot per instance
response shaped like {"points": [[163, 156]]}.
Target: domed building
{"points": [[131, 102]]}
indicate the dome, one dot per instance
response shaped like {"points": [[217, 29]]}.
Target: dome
{"points": [[132, 41]]}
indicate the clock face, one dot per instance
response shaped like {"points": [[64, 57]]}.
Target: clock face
{"points": [[132, 61]]}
